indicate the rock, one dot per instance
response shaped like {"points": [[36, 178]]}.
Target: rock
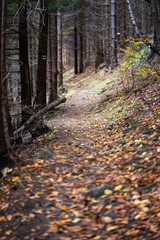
{"points": [[121, 142], [97, 191]]}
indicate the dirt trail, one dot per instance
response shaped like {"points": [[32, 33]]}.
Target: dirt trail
{"points": [[79, 104], [79, 182]]}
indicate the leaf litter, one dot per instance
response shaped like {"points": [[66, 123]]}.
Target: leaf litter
{"points": [[95, 176]]}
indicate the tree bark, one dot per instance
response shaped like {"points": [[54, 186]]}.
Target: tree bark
{"points": [[26, 91], [107, 47], [114, 61], [59, 43], [75, 47], [132, 19], [53, 55], [81, 44], [156, 21], [5, 145], [42, 55]]}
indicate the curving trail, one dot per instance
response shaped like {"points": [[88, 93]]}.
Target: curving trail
{"points": [[79, 182]]}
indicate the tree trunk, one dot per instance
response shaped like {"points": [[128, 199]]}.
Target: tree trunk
{"points": [[42, 55], [54, 57], [107, 47], [59, 43], [114, 61], [24, 62], [156, 21], [133, 19], [81, 48], [75, 47], [5, 146]]}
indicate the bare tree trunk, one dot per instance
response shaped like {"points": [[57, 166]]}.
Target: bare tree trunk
{"points": [[59, 43], [42, 55], [107, 47], [113, 35], [122, 25], [54, 56], [75, 47], [81, 44], [132, 19], [99, 57], [24, 62], [5, 145], [156, 21]]}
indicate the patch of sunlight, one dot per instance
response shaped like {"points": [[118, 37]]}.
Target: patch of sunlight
{"points": [[68, 74], [99, 82], [69, 93]]}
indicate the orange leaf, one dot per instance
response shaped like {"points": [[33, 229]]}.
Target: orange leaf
{"points": [[64, 216], [2, 218], [132, 232]]}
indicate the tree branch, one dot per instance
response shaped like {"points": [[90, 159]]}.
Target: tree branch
{"points": [[42, 111]]}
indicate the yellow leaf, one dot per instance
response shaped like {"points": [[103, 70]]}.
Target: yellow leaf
{"points": [[64, 208], [15, 179], [107, 191], [118, 188], [76, 220], [158, 214], [145, 209], [140, 215], [137, 202], [52, 180], [9, 217], [108, 207], [111, 228]]}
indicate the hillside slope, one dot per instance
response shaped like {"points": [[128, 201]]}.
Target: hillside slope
{"points": [[96, 175]]}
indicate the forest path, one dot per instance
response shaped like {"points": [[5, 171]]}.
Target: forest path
{"points": [[79, 104], [89, 178]]}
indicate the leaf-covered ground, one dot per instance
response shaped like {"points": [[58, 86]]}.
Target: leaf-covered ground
{"points": [[95, 176]]}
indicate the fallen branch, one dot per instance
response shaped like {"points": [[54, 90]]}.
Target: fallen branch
{"points": [[42, 111]]}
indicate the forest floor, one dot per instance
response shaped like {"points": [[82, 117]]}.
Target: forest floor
{"points": [[96, 175]]}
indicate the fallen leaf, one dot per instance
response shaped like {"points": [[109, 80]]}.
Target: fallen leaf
{"points": [[107, 191], [107, 219], [111, 228], [9, 217], [118, 188], [132, 232]]}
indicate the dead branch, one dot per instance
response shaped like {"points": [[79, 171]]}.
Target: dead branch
{"points": [[41, 112]]}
